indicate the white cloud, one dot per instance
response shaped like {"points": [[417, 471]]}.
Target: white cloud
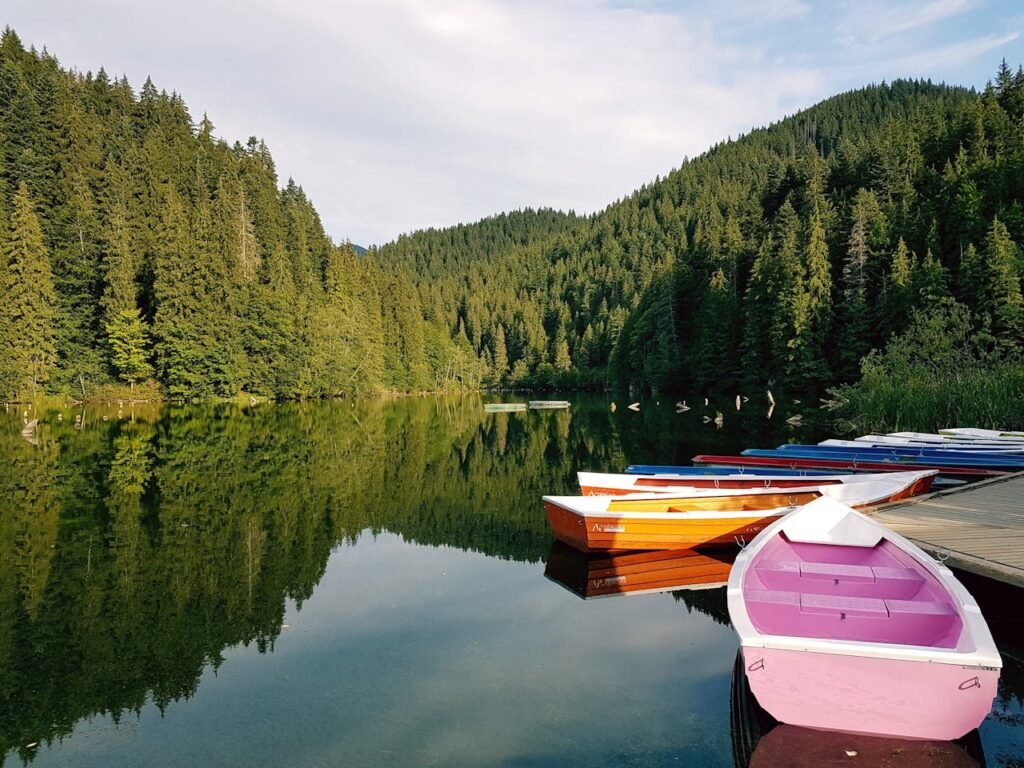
{"points": [[401, 114], [923, 62], [869, 22]]}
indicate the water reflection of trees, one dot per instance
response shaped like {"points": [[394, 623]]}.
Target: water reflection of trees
{"points": [[133, 551]]}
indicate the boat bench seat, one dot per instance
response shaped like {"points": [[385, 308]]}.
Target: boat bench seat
{"points": [[842, 617], [839, 605], [882, 582]]}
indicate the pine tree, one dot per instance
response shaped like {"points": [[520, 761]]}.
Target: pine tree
{"points": [[28, 355], [901, 299], [499, 364], [129, 339], [1007, 304], [930, 282], [855, 321], [560, 350], [813, 310]]}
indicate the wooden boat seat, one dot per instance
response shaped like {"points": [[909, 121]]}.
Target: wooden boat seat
{"points": [[837, 579], [839, 605], [843, 617], [836, 571]]}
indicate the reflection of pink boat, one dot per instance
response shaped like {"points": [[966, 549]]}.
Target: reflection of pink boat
{"points": [[845, 625], [803, 748]]}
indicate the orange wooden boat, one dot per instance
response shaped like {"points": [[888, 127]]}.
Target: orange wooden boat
{"points": [[632, 573], [699, 519]]}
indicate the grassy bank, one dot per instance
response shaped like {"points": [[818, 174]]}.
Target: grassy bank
{"points": [[941, 373]]}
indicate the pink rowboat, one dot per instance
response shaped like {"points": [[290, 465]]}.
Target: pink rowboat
{"points": [[845, 625]]}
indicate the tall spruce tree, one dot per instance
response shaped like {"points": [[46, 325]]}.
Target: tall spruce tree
{"points": [[27, 351], [129, 342]]}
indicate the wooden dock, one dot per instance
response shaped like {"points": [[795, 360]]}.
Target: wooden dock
{"points": [[977, 528]]}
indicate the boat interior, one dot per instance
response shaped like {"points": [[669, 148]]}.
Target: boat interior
{"points": [[711, 503], [874, 594]]}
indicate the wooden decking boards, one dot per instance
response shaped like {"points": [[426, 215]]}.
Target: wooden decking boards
{"points": [[977, 528]]}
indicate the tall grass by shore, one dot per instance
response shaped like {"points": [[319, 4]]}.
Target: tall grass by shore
{"points": [[940, 373]]}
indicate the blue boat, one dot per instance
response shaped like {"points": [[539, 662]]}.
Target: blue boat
{"points": [[915, 451], [854, 455], [687, 471]]}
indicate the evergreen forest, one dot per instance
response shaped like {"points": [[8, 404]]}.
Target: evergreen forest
{"points": [[137, 247]]}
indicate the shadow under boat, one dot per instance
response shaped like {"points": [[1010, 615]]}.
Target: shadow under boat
{"points": [[592, 575], [760, 741]]}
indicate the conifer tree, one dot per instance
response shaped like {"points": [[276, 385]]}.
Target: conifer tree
{"points": [[1002, 265], [28, 354], [560, 350], [855, 321], [499, 361], [813, 309], [930, 281], [128, 339]]}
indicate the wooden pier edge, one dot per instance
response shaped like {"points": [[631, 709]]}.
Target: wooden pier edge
{"points": [[978, 528]]}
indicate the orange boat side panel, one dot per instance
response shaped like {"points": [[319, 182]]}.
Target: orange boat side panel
{"points": [[603, 533]]}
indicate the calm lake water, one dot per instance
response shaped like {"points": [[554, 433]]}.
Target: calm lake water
{"points": [[362, 584]]}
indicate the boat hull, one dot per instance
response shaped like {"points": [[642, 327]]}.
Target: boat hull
{"points": [[597, 533], [855, 694]]}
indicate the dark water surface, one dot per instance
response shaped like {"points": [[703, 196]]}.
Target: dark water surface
{"points": [[362, 584]]}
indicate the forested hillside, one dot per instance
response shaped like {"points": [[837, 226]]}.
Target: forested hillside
{"points": [[136, 246], [782, 257]]}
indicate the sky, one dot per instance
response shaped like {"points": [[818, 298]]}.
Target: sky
{"points": [[397, 115]]}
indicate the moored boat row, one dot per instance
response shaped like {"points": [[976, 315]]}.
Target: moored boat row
{"points": [[843, 624]]}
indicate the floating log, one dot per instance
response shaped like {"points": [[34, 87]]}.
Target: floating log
{"points": [[634, 406], [538, 404], [771, 399], [738, 402]]}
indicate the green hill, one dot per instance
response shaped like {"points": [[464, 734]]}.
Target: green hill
{"points": [[780, 257]]}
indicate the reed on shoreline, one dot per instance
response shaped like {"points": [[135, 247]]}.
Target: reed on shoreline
{"points": [[941, 372]]}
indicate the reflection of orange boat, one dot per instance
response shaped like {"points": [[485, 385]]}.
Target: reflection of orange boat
{"points": [[695, 518], [604, 575]]}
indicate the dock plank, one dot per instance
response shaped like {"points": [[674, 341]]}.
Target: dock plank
{"points": [[977, 528]]}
